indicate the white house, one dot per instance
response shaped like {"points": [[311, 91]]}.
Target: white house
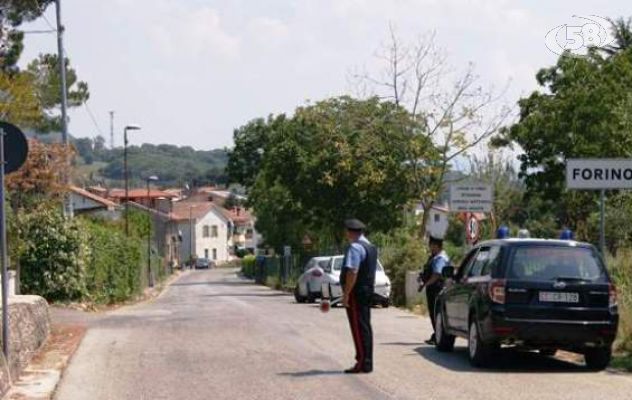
{"points": [[438, 220], [205, 231]]}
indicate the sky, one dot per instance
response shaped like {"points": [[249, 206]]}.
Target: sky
{"points": [[191, 71]]}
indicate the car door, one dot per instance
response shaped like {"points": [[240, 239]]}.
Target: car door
{"points": [[468, 287], [452, 293]]}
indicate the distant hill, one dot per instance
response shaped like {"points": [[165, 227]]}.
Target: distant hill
{"points": [[173, 165]]}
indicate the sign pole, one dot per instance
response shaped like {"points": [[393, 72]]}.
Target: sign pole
{"points": [[602, 222], [3, 255]]}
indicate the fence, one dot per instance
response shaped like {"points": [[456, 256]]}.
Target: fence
{"points": [[282, 271]]}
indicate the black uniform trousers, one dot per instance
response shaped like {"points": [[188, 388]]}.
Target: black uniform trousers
{"points": [[432, 292], [359, 314]]}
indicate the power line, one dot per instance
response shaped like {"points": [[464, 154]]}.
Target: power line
{"points": [[94, 120]]}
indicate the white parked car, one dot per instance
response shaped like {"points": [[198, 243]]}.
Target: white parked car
{"points": [[325, 272], [309, 285]]}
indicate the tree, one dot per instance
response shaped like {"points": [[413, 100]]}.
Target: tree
{"points": [[47, 82], [40, 178], [582, 110], [85, 148], [453, 111], [622, 32], [334, 159], [19, 103], [12, 14]]}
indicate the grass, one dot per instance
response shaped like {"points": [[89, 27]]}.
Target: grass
{"points": [[622, 361]]}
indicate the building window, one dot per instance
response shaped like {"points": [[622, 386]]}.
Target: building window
{"points": [[249, 233], [214, 231], [206, 253], [205, 231], [437, 217], [214, 254]]}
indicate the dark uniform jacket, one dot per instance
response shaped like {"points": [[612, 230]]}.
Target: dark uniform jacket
{"points": [[365, 282]]}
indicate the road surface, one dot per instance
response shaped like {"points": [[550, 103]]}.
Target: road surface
{"points": [[212, 335]]}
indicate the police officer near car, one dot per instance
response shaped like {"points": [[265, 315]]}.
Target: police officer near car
{"points": [[431, 278], [357, 279]]}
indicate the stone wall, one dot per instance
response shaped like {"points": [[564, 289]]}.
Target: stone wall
{"points": [[29, 326]]}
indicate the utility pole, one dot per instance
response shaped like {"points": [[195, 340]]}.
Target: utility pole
{"points": [[64, 97], [111, 130]]}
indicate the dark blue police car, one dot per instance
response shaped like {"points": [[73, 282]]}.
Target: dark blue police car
{"points": [[534, 294]]}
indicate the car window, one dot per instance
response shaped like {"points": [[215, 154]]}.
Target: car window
{"points": [[493, 259], [466, 264], [547, 263], [482, 258], [324, 265], [379, 266], [337, 263]]}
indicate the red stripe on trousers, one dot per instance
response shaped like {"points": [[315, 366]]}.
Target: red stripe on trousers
{"points": [[355, 329]]}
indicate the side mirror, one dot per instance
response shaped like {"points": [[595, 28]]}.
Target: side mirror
{"points": [[448, 272]]}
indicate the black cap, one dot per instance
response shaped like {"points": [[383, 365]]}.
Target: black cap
{"points": [[354, 225]]}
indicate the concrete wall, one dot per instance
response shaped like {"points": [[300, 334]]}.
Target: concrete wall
{"points": [[29, 327], [412, 295]]}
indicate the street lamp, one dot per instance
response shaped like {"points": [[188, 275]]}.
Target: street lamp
{"points": [[150, 280], [131, 127]]}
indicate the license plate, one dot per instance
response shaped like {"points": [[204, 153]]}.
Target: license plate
{"points": [[559, 297]]}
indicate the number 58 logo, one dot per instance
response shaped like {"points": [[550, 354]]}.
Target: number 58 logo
{"points": [[574, 41]]}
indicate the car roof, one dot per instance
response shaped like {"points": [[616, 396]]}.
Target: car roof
{"points": [[534, 242]]}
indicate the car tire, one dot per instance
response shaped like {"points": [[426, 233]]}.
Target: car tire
{"points": [[444, 341], [479, 352], [386, 303], [297, 295], [598, 359]]}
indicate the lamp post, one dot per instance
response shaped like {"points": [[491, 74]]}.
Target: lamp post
{"points": [[125, 142], [150, 280]]}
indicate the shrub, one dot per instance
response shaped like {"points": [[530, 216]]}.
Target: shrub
{"points": [[620, 268], [114, 266], [400, 253], [248, 265], [53, 259]]}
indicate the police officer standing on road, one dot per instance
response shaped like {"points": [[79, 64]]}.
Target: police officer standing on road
{"points": [[431, 278], [357, 279]]}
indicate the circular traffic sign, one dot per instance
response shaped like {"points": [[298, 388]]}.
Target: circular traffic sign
{"points": [[16, 147], [472, 228]]}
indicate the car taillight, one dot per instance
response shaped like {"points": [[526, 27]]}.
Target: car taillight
{"points": [[497, 291], [612, 295], [317, 273]]}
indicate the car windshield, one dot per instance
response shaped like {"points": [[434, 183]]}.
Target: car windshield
{"points": [[547, 263], [337, 263]]}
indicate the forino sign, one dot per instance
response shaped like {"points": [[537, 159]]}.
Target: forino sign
{"points": [[599, 174]]}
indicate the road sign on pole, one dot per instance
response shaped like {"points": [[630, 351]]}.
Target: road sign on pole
{"points": [[599, 174], [471, 197], [472, 228], [13, 153]]}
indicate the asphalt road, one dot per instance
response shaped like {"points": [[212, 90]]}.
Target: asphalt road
{"points": [[214, 336]]}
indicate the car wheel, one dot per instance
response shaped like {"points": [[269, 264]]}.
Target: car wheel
{"points": [[386, 303], [598, 359], [547, 352], [479, 353], [297, 295], [444, 341]]}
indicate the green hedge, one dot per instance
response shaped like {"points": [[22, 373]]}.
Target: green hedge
{"points": [[53, 256], [114, 266]]}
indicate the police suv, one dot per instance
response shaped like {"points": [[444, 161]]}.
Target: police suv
{"points": [[534, 294]]}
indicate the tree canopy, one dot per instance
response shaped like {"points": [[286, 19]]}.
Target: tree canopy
{"points": [[334, 159], [582, 110]]}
